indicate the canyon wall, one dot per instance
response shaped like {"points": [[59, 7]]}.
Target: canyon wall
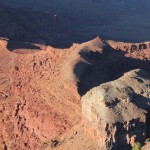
{"points": [[118, 111]]}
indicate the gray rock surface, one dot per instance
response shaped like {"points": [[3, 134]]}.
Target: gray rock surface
{"points": [[119, 110]]}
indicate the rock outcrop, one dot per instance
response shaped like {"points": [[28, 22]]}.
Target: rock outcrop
{"points": [[119, 111], [41, 87]]}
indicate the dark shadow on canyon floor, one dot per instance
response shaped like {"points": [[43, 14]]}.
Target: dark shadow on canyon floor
{"points": [[13, 45], [105, 67], [62, 30]]}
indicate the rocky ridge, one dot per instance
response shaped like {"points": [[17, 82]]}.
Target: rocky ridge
{"points": [[119, 110], [41, 88]]}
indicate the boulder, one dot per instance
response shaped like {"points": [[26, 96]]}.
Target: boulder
{"points": [[119, 111]]}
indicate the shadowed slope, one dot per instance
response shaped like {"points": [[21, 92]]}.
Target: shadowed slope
{"points": [[40, 92], [107, 65]]}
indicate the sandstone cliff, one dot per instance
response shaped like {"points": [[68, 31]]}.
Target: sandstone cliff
{"points": [[119, 111]]}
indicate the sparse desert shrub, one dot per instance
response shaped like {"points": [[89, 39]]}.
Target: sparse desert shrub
{"points": [[137, 146]]}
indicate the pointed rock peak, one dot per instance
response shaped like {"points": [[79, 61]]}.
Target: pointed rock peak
{"points": [[95, 45], [98, 40]]}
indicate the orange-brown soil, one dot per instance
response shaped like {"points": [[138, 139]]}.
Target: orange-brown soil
{"points": [[40, 89]]}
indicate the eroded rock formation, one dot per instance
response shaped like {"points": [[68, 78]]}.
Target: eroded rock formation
{"points": [[119, 110], [41, 87]]}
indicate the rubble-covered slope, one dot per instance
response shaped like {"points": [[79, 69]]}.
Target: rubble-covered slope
{"points": [[41, 86], [36, 102], [119, 110]]}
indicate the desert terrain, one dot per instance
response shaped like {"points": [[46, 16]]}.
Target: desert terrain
{"points": [[74, 75], [41, 90]]}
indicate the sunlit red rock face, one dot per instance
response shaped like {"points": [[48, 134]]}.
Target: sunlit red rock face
{"points": [[36, 102], [40, 89]]}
